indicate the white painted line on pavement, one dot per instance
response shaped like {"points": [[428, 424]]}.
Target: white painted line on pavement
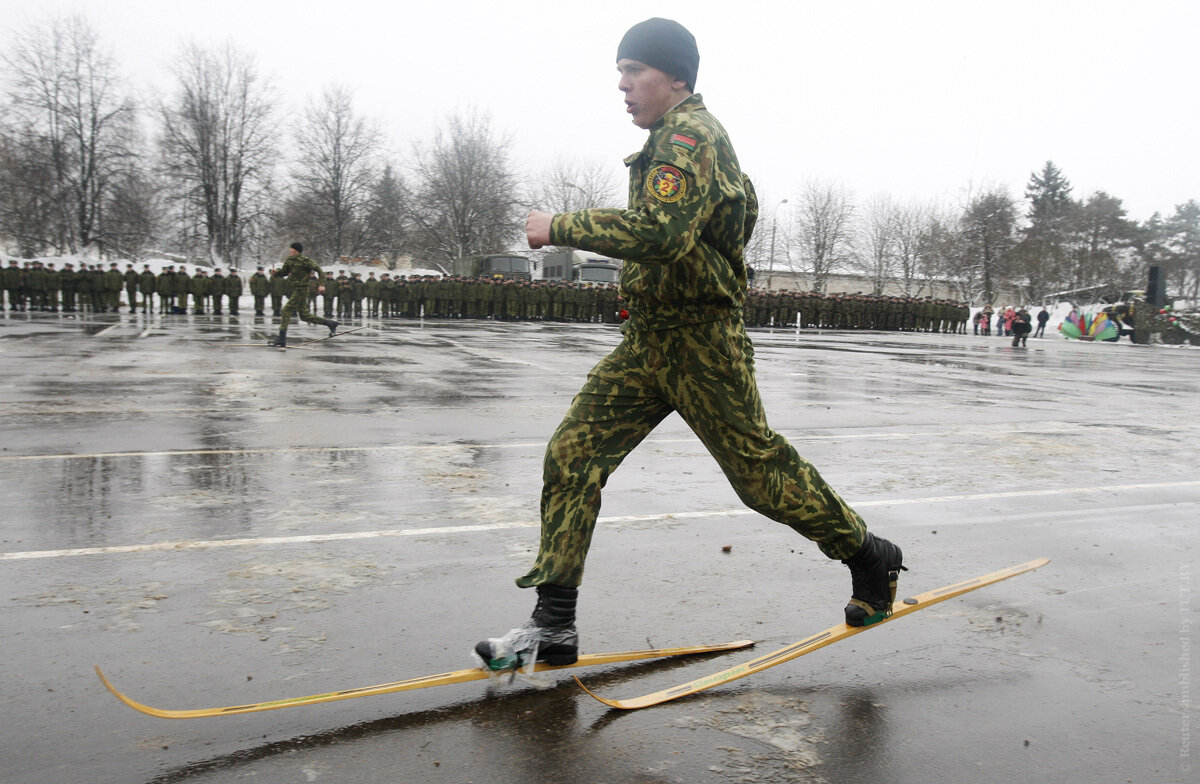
{"points": [[263, 540], [277, 450], [943, 499], [538, 445], [472, 529]]}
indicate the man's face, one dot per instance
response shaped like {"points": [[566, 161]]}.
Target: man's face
{"points": [[649, 92]]}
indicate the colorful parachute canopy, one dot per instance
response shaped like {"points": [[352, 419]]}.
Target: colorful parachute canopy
{"points": [[1086, 326]]}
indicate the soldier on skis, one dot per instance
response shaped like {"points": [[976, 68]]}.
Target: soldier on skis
{"points": [[685, 349], [299, 271]]}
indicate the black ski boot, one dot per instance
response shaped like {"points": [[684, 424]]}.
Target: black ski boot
{"points": [[874, 570], [333, 325], [279, 340], [549, 635]]}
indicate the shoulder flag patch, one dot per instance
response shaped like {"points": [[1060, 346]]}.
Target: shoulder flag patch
{"points": [[686, 142]]}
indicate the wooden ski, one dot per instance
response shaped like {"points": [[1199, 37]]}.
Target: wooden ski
{"points": [[329, 337], [810, 644], [444, 679]]}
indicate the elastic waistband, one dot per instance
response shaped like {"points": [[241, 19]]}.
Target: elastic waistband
{"points": [[670, 317]]}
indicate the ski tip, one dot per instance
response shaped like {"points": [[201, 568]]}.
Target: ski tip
{"points": [[108, 685], [132, 703], [595, 696]]}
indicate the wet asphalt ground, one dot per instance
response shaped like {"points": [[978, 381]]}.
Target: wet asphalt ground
{"points": [[215, 522]]}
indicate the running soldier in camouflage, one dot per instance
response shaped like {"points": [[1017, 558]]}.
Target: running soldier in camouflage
{"points": [[299, 271], [685, 350]]}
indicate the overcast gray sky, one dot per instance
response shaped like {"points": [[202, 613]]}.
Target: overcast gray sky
{"points": [[919, 99]]}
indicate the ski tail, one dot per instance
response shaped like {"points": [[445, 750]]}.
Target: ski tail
{"points": [[443, 679]]}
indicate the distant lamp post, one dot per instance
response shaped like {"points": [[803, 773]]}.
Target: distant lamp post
{"points": [[771, 256], [584, 196]]}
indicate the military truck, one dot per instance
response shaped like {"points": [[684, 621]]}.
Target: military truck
{"points": [[580, 267], [492, 265], [1123, 313]]}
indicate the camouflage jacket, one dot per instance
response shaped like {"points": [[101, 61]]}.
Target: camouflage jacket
{"points": [[691, 211], [299, 271]]}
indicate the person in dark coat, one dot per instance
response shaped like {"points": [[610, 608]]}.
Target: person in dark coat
{"points": [[1042, 317], [1020, 327]]}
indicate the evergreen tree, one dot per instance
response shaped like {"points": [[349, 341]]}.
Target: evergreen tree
{"points": [[1182, 235], [1103, 242], [989, 236], [387, 226], [1044, 258]]}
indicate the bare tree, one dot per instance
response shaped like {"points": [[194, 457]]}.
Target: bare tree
{"points": [[913, 225], [335, 171], [133, 216], [218, 145], [71, 125], [941, 254], [465, 199], [822, 219], [770, 240], [570, 184], [29, 209], [876, 246]]}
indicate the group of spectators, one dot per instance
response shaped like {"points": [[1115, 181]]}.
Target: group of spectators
{"points": [[1011, 322]]}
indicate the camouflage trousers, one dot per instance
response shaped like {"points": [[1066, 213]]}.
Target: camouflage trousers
{"points": [[298, 304], [706, 373]]}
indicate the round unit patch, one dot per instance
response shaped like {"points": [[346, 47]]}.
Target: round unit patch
{"points": [[666, 183]]}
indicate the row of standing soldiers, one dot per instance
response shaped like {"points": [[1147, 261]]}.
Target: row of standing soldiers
{"points": [[35, 286], [38, 286], [456, 296], [778, 308]]}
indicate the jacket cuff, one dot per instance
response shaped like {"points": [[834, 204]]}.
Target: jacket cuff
{"points": [[558, 229]]}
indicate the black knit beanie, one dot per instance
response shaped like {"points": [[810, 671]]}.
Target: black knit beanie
{"points": [[296, 246], [664, 44]]}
